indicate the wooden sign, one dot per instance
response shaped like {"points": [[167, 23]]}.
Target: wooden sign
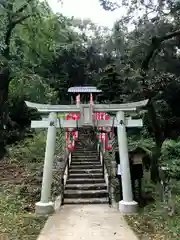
{"points": [[119, 171], [137, 159], [59, 124], [128, 123]]}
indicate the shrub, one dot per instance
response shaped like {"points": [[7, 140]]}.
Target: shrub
{"points": [[170, 157], [30, 150]]}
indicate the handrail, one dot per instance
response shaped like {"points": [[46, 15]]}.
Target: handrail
{"points": [[106, 176], [64, 174], [101, 158], [103, 165]]}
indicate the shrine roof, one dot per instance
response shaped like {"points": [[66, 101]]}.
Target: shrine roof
{"points": [[84, 89]]}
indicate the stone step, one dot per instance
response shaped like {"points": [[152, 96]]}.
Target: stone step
{"points": [[85, 193], [84, 153], [96, 186], [86, 175], [86, 166], [85, 180], [87, 147], [82, 143], [86, 137], [85, 162], [86, 158], [83, 134], [84, 171], [86, 201], [84, 148]]}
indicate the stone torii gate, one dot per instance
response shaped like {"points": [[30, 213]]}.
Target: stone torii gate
{"points": [[127, 205]]}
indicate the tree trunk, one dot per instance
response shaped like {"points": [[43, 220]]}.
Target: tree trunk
{"points": [[159, 138], [4, 86], [155, 163]]}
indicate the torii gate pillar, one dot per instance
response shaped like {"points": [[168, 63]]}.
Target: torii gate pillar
{"points": [[127, 205], [45, 206]]}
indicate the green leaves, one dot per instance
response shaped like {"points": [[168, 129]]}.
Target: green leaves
{"points": [[170, 154], [109, 5]]}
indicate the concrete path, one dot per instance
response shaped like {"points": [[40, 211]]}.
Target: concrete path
{"points": [[87, 222]]}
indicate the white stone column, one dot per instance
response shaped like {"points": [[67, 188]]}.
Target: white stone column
{"points": [[127, 205], [45, 206]]}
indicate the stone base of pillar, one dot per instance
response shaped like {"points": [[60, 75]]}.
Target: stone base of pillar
{"points": [[128, 207], [44, 208]]}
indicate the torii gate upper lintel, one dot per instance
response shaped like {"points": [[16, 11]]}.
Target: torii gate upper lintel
{"points": [[133, 106]]}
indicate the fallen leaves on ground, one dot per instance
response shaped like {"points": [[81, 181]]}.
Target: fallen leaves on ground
{"points": [[17, 200]]}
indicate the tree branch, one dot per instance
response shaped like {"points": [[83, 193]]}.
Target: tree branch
{"points": [[21, 19], [23, 7], [3, 3], [10, 28], [155, 44]]}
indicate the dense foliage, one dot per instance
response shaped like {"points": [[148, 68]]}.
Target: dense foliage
{"points": [[42, 54]]}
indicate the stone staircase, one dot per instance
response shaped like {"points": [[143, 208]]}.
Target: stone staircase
{"points": [[85, 183]]}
